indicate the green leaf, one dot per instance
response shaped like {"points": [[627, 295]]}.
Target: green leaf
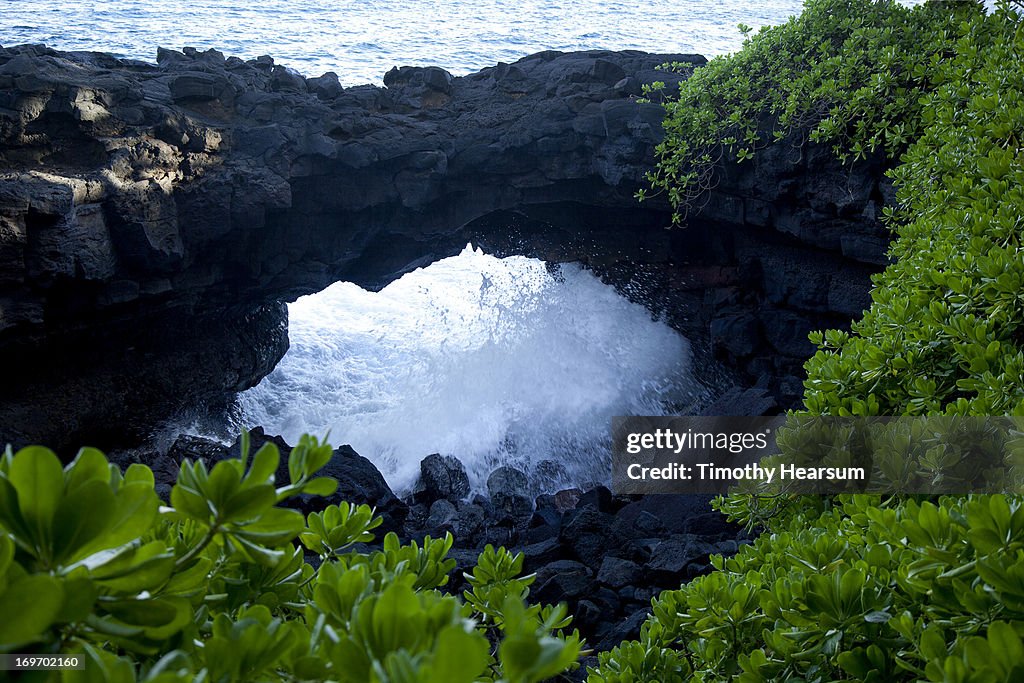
{"points": [[1005, 641], [249, 503], [157, 618], [101, 667], [89, 465], [10, 512], [264, 465], [459, 656], [320, 486], [225, 479], [80, 595], [392, 626], [189, 502], [135, 515], [274, 527], [256, 552], [139, 474], [83, 514], [145, 568], [30, 606], [38, 477]]}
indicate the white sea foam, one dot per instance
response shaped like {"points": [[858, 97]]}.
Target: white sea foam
{"points": [[491, 360]]}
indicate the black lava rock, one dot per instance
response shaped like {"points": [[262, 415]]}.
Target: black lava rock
{"points": [[442, 476]]}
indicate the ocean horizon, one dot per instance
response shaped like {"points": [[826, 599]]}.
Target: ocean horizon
{"points": [[360, 41]]}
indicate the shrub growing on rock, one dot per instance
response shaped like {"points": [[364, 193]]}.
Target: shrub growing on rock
{"points": [[211, 585], [846, 73], [855, 587]]}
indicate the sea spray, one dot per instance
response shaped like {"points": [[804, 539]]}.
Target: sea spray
{"points": [[494, 361]]}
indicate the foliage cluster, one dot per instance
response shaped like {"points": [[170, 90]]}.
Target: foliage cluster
{"points": [[945, 330], [846, 73], [861, 591], [857, 587], [214, 588]]}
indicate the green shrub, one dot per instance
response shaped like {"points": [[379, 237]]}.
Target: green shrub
{"points": [[847, 73], [855, 587], [865, 592], [213, 587], [946, 327]]}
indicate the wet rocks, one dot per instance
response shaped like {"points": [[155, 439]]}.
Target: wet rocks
{"points": [[442, 516], [670, 557], [605, 555], [442, 477], [509, 492], [562, 580], [507, 481]]}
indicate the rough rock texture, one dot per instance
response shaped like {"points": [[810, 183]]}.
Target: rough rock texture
{"points": [[605, 555], [154, 217], [442, 477]]}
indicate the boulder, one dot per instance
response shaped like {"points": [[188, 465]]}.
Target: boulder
{"points": [[442, 517], [618, 573], [536, 555], [509, 489], [442, 476], [624, 629], [563, 580], [589, 535], [671, 557]]}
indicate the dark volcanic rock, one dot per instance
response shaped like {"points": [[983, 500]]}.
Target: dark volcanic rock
{"points": [[742, 402], [590, 535], [604, 558], [442, 515], [469, 520], [357, 477], [671, 512], [567, 499], [599, 498], [196, 448], [625, 629], [537, 555], [616, 572], [508, 489], [507, 481], [546, 521], [671, 557], [154, 217], [443, 476], [563, 579]]}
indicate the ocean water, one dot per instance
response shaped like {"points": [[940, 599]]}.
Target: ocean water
{"points": [[495, 361], [361, 39]]}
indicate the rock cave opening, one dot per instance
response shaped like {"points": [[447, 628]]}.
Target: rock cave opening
{"points": [[496, 360]]}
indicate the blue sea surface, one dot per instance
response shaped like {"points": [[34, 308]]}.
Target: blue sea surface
{"points": [[361, 39]]}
